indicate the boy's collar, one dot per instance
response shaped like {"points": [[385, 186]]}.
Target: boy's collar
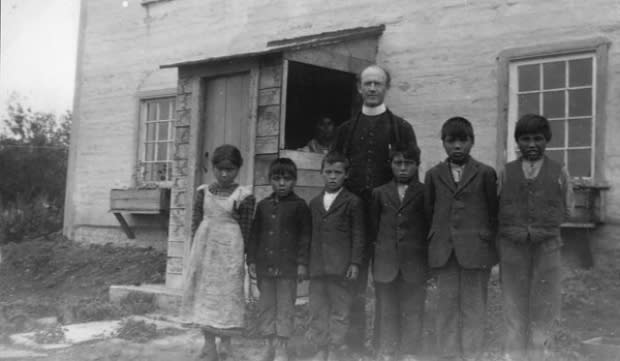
{"points": [[333, 193]]}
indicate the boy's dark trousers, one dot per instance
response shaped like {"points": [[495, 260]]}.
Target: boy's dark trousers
{"points": [[330, 307], [276, 306], [461, 309], [401, 307], [531, 289]]}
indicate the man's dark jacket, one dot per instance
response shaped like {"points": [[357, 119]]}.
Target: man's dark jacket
{"points": [[366, 141]]}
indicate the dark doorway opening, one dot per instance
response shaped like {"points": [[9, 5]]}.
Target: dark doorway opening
{"points": [[313, 93]]}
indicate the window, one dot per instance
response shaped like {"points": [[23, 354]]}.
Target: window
{"points": [[562, 89], [158, 116]]}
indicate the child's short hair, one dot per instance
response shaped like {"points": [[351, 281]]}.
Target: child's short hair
{"points": [[457, 127], [408, 150], [283, 167], [336, 157], [533, 123], [227, 152]]}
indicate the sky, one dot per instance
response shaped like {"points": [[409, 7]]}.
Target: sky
{"points": [[38, 46]]}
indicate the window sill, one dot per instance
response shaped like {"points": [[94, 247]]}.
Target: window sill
{"points": [[149, 2]]}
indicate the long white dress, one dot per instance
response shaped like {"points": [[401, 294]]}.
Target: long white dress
{"points": [[214, 282]]}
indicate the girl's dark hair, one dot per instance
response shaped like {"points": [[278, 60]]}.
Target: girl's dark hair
{"points": [[227, 152], [457, 127], [408, 150], [531, 124], [335, 157], [283, 167]]}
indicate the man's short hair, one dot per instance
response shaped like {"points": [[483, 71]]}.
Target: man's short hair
{"points": [[336, 157], [283, 167], [458, 128], [388, 76], [531, 124], [408, 151]]}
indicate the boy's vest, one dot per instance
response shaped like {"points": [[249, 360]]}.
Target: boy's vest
{"points": [[531, 210]]}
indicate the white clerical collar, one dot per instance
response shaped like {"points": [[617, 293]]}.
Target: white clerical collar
{"points": [[379, 109]]}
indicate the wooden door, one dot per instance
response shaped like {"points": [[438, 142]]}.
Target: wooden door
{"points": [[227, 120]]}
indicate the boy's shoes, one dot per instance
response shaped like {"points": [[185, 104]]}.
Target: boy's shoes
{"points": [[208, 352], [224, 352], [281, 349]]}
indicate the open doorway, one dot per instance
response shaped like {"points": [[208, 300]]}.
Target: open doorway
{"points": [[314, 93]]}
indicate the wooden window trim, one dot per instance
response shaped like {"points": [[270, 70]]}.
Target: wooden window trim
{"points": [[141, 99], [597, 45]]}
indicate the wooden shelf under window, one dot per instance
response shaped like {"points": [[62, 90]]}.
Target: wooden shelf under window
{"points": [[138, 201]]}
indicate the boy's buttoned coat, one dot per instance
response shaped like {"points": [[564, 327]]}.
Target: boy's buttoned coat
{"points": [[280, 236], [399, 230], [338, 234], [463, 215]]}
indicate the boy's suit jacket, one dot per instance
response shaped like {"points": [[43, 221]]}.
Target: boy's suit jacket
{"points": [[399, 231], [463, 216], [338, 235]]}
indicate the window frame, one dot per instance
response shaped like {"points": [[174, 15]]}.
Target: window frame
{"points": [[513, 102], [599, 48], [143, 99]]}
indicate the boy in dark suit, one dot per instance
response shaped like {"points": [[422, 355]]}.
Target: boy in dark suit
{"points": [[335, 255], [277, 254], [462, 205], [535, 198], [400, 266]]}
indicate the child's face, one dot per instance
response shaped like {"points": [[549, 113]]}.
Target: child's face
{"points": [[282, 184], [457, 148], [225, 172], [532, 145], [334, 175], [403, 169]]}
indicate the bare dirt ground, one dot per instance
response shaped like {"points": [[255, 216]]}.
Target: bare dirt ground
{"points": [[70, 282]]}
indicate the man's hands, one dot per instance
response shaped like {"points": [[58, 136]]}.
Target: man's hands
{"points": [[352, 272], [302, 272]]}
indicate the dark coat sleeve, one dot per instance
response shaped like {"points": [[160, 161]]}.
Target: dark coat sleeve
{"points": [[429, 197], [358, 230], [374, 215], [342, 134], [252, 244], [407, 135], [197, 210], [490, 190], [305, 233]]}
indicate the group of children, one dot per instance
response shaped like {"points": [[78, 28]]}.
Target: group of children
{"points": [[459, 223]]}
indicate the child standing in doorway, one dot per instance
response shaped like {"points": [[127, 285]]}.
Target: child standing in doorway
{"points": [[278, 256], [213, 295]]}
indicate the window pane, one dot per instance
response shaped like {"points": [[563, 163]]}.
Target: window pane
{"points": [[557, 133], [160, 171], [150, 152], [580, 102], [580, 132], [557, 155], [579, 162], [163, 131], [169, 171], [580, 72], [151, 111], [554, 74], [150, 131], [553, 106], [164, 109], [529, 77], [162, 151], [529, 103]]}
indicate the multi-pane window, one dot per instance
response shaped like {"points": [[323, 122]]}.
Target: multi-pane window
{"points": [[158, 139], [563, 90]]}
